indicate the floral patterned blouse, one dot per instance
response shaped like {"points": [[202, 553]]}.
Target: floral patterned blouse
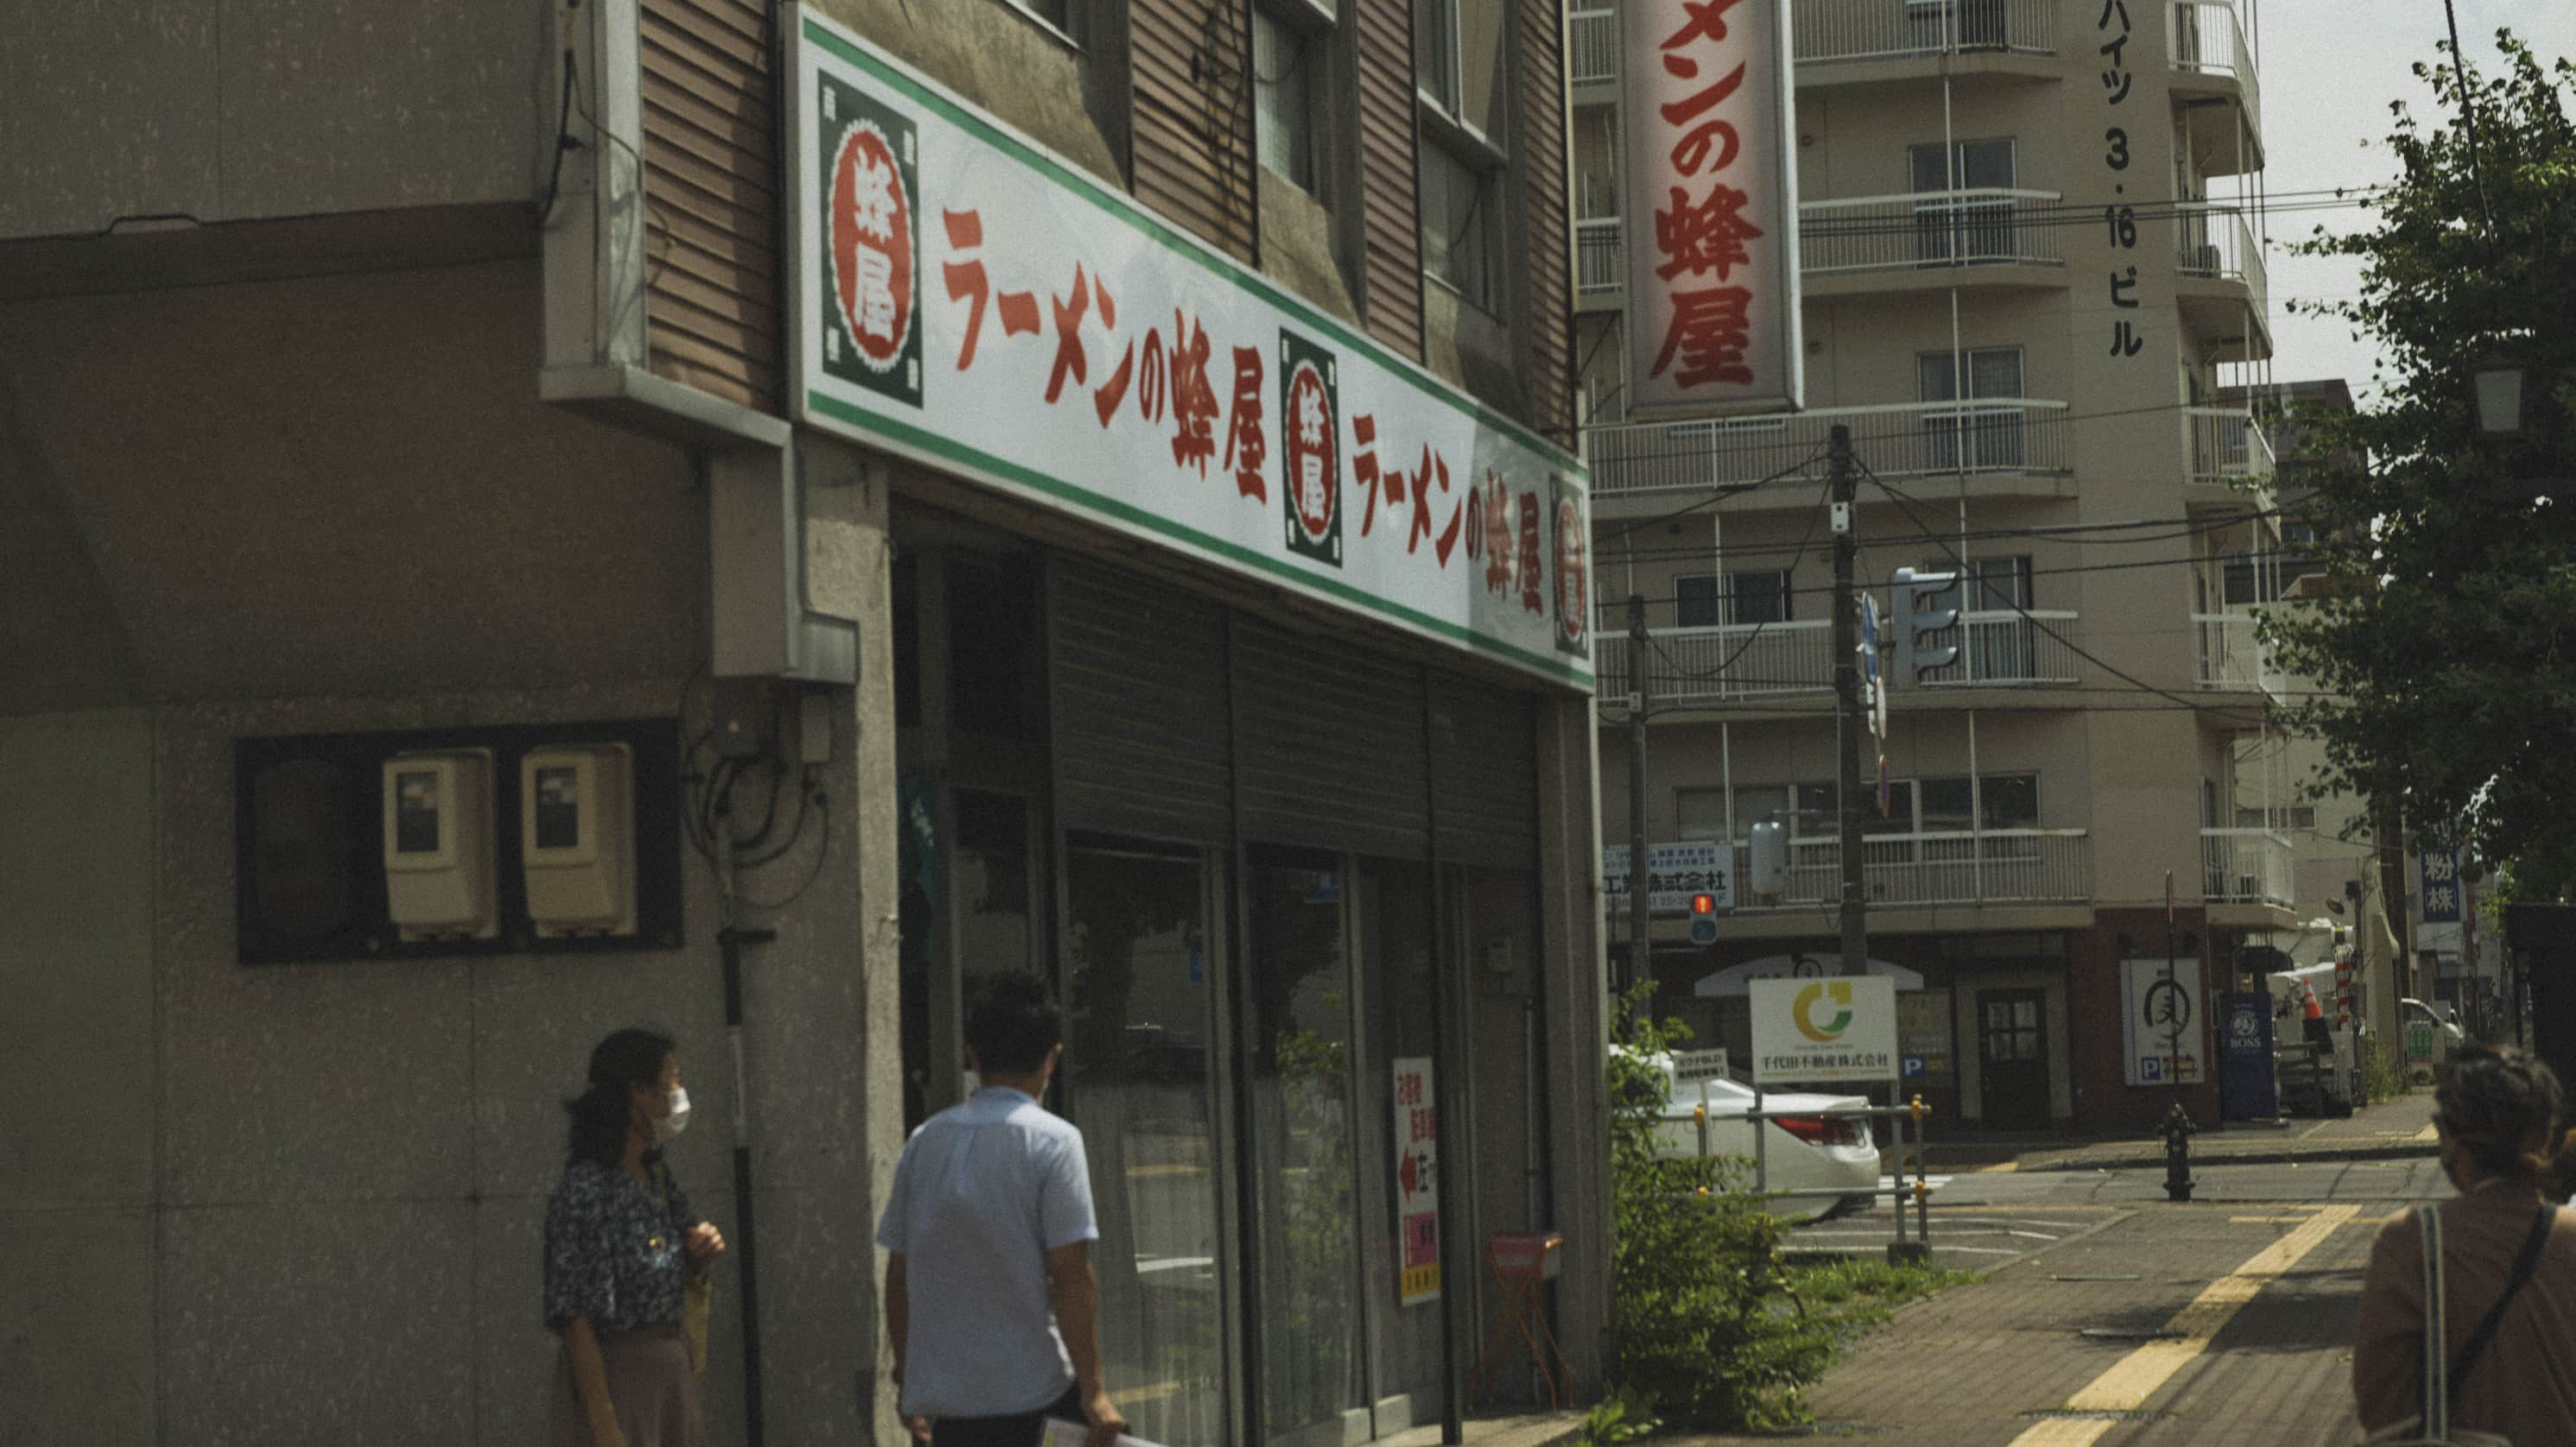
{"points": [[615, 1248]]}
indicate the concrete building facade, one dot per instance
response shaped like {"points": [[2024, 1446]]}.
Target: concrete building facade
{"points": [[435, 397], [2022, 301]]}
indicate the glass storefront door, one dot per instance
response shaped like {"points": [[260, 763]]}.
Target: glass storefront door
{"points": [[1401, 1008], [1297, 1007], [1142, 964]]}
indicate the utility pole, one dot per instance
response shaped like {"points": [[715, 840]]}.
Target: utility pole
{"points": [[1847, 701], [1640, 947]]}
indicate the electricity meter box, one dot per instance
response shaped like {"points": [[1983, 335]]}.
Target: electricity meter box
{"points": [[577, 839], [438, 845]]}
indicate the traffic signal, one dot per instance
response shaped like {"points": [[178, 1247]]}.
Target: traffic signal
{"points": [[1919, 610], [1703, 919]]}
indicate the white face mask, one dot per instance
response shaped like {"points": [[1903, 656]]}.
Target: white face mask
{"points": [[670, 1126]]}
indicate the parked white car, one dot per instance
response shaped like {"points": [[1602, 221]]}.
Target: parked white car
{"points": [[1803, 1149], [2448, 1037]]}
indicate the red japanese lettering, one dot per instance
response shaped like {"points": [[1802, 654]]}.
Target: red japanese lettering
{"points": [[1149, 388], [1193, 400], [1707, 22], [1364, 467], [1703, 237], [1709, 332], [966, 278], [1243, 438], [1069, 360], [1532, 561], [1421, 525]]}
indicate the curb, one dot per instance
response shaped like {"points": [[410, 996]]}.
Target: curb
{"points": [[2395, 1151]]}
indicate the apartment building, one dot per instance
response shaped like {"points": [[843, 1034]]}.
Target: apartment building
{"points": [[2025, 290], [1050, 483]]}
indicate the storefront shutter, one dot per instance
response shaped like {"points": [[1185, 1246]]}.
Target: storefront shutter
{"points": [[1140, 720], [1330, 749], [1484, 774]]}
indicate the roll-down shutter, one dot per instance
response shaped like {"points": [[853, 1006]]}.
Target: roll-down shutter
{"points": [[1140, 720], [1484, 774], [1329, 745]]}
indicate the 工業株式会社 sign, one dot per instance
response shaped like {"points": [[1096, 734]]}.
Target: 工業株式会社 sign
{"points": [[970, 300]]}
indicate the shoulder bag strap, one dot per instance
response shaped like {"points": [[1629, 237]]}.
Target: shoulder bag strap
{"points": [[2523, 1265], [2436, 1383]]}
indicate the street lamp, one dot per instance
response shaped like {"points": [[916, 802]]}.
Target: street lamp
{"points": [[2498, 381]]}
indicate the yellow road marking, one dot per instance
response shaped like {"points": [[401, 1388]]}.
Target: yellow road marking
{"points": [[2065, 1432], [2429, 1133], [2128, 1382], [2013, 1165], [2267, 1220]]}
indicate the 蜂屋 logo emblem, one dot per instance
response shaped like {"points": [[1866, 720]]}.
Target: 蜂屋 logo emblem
{"points": [[872, 252], [1573, 600], [1311, 470], [1802, 1015]]}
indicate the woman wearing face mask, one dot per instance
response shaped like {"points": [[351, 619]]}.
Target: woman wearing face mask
{"points": [[2508, 1267], [622, 1247]]}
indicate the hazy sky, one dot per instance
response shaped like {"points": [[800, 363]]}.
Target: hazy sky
{"points": [[2329, 69]]}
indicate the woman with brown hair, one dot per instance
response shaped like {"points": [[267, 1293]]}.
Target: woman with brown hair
{"points": [[2507, 1268]]}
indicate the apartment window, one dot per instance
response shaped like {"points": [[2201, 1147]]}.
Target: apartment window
{"points": [[1707, 600], [1951, 228], [1899, 815], [1985, 434], [1949, 805], [1596, 163], [1700, 813], [1461, 231], [1458, 61], [1604, 362], [1285, 63], [2294, 816]]}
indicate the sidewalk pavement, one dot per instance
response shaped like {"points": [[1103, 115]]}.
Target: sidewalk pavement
{"points": [[2121, 1336], [2393, 1129]]}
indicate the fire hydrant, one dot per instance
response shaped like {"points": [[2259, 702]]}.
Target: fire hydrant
{"points": [[2178, 1133]]}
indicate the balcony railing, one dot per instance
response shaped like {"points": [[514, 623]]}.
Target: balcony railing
{"points": [[2232, 657], [1889, 30], [2214, 241], [1984, 437], [2204, 37], [2226, 444], [1984, 226], [1995, 866], [1599, 261], [1997, 648], [1592, 53], [2245, 866], [2003, 647], [1716, 665]]}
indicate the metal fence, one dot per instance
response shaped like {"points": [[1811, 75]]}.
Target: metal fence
{"points": [[2232, 657], [1976, 226], [2245, 866], [2004, 435], [1600, 263], [1827, 30], [1592, 51], [1713, 665], [1993, 866], [2007, 646], [2204, 37], [2226, 444], [2214, 241]]}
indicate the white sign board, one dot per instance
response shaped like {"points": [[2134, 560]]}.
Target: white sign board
{"points": [[967, 299], [1736, 980], [1824, 1030], [1693, 1066], [2164, 1032], [1417, 1179], [1674, 872], [1712, 207]]}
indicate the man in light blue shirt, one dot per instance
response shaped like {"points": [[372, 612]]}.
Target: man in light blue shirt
{"points": [[990, 1298]]}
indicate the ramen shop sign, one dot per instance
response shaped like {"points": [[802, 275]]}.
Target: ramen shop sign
{"points": [[968, 300], [1712, 200]]}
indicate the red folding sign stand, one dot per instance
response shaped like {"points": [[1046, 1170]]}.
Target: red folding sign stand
{"points": [[1522, 1263]]}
